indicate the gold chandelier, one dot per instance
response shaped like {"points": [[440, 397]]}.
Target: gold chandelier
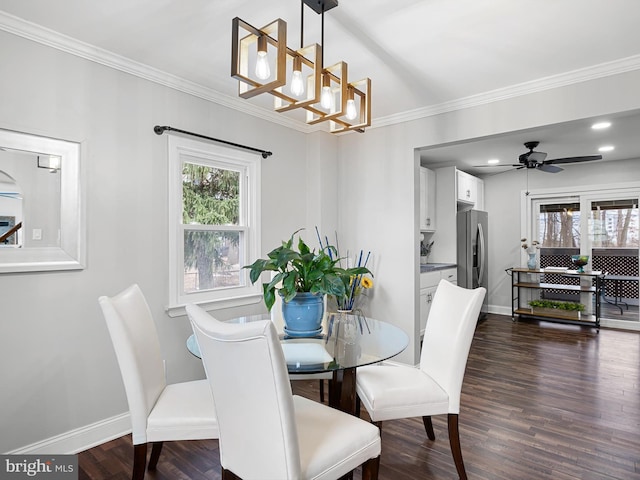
{"points": [[298, 78]]}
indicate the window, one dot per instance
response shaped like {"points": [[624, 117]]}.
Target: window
{"points": [[559, 225], [614, 223], [213, 223]]}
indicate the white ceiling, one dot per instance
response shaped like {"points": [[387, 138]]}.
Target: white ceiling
{"points": [[421, 55], [571, 139]]}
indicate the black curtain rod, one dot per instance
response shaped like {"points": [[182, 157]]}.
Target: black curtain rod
{"points": [[160, 130]]}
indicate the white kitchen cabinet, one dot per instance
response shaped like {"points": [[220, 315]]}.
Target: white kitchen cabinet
{"points": [[479, 194], [469, 191], [427, 200], [428, 285], [466, 188], [426, 297]]}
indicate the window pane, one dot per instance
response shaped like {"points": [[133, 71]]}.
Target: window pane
{"points": [[210, 196], [212, 260], [559, 225], [614, 223]]}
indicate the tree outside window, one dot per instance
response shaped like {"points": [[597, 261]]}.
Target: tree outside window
{"points": [[210, 197], [559, 225]]}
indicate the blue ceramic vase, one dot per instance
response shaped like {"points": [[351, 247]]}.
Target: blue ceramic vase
{"points": [[531, 263]]}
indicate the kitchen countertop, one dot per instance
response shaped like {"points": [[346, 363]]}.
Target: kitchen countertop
{"points": [[432, 267]]}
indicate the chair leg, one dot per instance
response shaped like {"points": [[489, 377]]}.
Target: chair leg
{"points": [[139, 461], [229, 475], [454, 441], [358, 407], [321, 391], [155, 455], [370, 469], [428, 426]]}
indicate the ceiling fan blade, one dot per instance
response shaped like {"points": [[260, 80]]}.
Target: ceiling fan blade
{"points": [[497, 165], [545, 167], [588, 158]]}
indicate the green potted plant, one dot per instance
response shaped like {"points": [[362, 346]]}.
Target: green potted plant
{"points": [[303, 277], [557, 308]]}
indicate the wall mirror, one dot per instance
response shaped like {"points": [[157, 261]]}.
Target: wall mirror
{"points": [[41, 216]]}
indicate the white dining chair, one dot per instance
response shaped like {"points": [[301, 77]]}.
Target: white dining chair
{"points": [[395, 391], [265, 431], [159, 411]]}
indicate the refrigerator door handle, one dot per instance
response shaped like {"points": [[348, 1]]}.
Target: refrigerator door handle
{"points": [[481, 253]]}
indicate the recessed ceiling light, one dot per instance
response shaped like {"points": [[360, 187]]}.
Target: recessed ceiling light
{"points": [[601, 125], [606, 148], [493, 161]]}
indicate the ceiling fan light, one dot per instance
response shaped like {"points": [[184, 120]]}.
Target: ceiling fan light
{"points": [[606, 148], [601, 125]]}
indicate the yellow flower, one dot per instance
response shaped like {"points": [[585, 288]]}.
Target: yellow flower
{"points": [[366, 282]]}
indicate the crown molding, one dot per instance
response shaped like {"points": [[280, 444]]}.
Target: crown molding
{"points": [[593, 72], [45, 36], [53, 39]]}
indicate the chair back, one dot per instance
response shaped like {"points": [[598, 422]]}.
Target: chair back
{"points": [[448, 335], [135, 340], [252, 395]]}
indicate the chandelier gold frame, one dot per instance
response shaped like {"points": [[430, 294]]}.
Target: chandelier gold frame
{"points": [[245, 40]]}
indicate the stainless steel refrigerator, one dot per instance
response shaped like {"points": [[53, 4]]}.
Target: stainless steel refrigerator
{"points": [[472, 252]]}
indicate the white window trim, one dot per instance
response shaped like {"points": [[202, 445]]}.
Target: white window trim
{"points": [[179, 148]]}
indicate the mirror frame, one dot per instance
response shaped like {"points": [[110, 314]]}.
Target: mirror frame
{"points": [[70, 255]]}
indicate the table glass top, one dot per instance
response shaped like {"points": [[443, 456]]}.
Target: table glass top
{"points": [[346, 341]]}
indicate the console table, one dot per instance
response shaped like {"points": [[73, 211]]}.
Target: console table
{"points": [[526, 280]]}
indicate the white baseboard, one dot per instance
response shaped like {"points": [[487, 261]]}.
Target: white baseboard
{"points": [[500, 310], [80, 439]]}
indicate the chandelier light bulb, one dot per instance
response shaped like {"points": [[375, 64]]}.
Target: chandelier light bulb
{"points": [[262, 63], [352, 112], [297, 84], [326, 98]]}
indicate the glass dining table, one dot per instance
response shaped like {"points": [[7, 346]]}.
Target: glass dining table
{"points": [[345, 343]]}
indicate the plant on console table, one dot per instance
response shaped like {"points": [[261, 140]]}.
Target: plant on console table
{"points": [[302, 278], [557, 308]]}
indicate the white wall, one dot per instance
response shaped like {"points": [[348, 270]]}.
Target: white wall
{"points": [[59, 371], [380, 168]]}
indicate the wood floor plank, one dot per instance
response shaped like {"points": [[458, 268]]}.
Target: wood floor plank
{"points": [[539, 401]]}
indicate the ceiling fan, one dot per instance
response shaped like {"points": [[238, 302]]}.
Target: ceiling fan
{"points": [[537, 160]]}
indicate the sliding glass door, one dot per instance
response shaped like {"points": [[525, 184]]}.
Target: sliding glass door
{"points": [[602, 225], [613, 246]]}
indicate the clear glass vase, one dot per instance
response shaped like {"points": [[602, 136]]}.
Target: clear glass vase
{"points": [[531, 263]]}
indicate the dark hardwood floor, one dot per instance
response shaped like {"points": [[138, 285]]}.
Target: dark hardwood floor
{"points": [[539, 401]]}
